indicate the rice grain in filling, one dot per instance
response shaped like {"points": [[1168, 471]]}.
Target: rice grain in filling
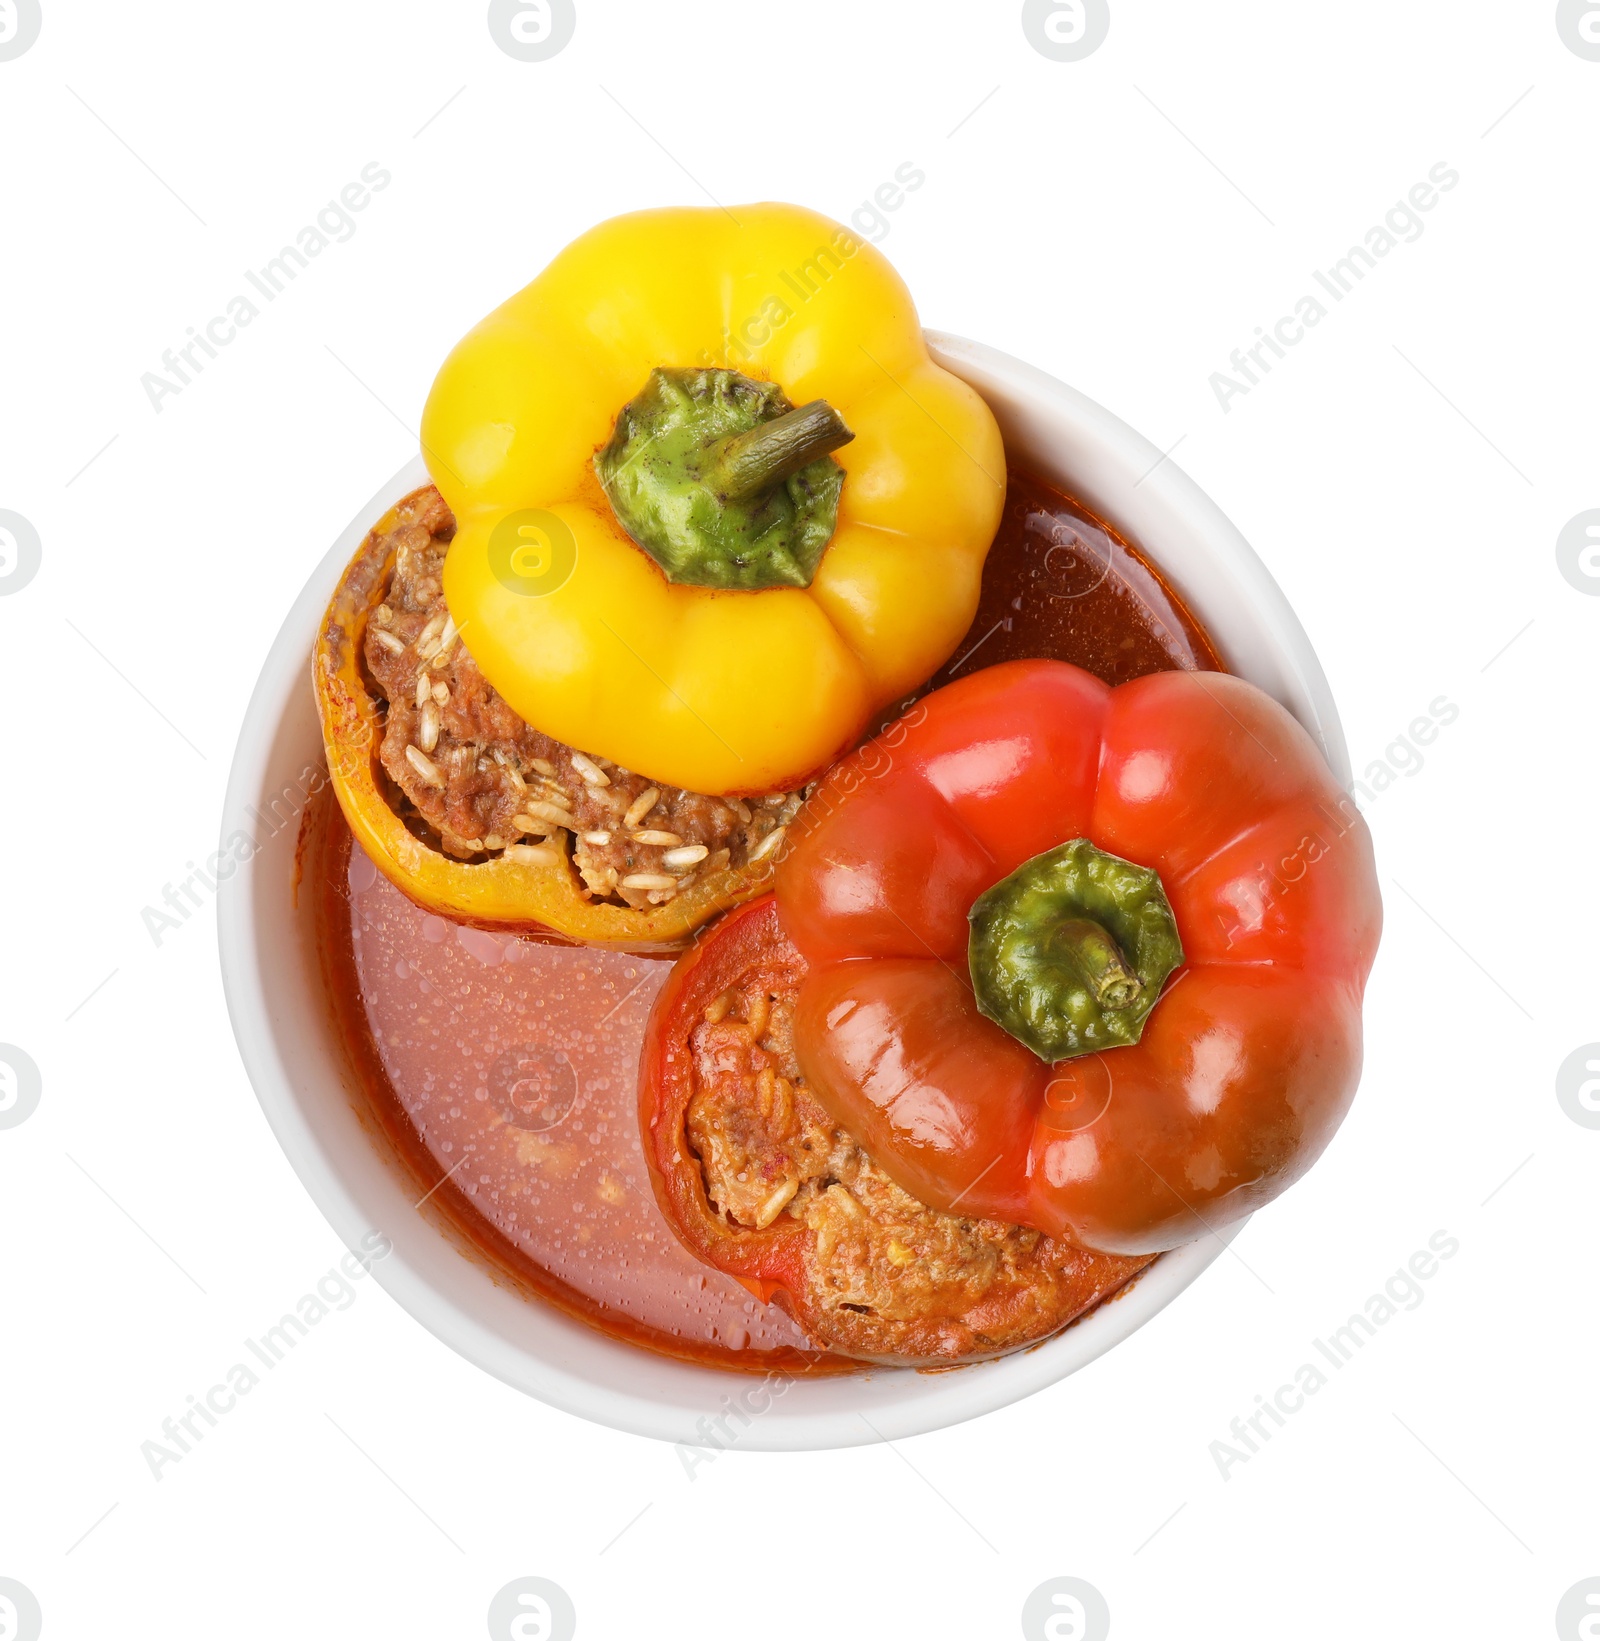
{"points": [[477, 781]]}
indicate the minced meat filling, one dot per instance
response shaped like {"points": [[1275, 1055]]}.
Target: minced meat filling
{"points": [[485, 783], [887, 1278]]}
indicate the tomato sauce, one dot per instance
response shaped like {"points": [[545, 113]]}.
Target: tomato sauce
{"points": [[1063, 584], [502, 1070]]}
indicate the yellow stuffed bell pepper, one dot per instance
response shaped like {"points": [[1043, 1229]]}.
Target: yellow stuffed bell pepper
{"points": [[715, 504]]}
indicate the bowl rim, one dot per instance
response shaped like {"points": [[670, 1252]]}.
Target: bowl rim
{"points": [[537, 1349]]}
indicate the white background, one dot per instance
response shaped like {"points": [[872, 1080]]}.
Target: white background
{"points": [[1126, 222]]}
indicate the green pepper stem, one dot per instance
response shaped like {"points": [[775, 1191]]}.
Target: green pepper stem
{"points": [[744, 464], [1098, 958], [1069, 953], [722, 481]]}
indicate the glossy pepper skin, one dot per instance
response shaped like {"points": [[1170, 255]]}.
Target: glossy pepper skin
{"points": [[717, 691], [500, 893], [1251, 1055]]}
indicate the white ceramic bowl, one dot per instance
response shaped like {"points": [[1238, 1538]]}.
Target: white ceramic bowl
{"points": [[271, 977]]}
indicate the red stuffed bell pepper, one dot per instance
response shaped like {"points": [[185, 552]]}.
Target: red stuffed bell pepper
{"points": [[1083, 959]]}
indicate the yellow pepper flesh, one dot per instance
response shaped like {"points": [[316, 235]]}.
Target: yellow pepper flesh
{"points": [[715, 691]]}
